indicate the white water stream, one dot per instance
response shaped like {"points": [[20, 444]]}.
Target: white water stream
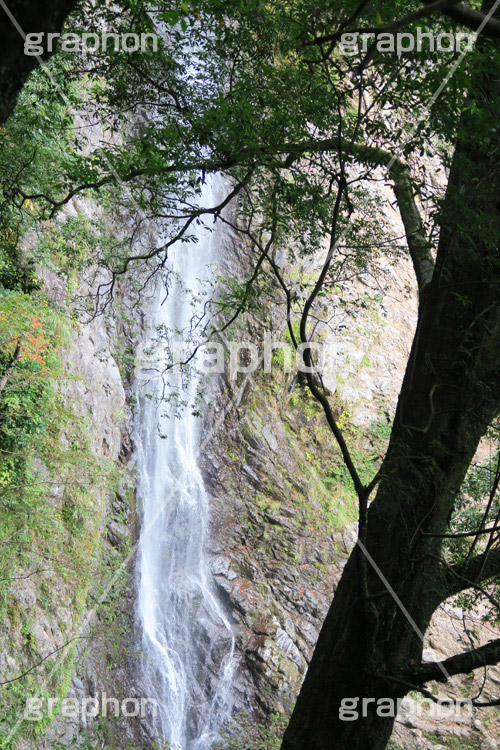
{"points": [[187, 642]]}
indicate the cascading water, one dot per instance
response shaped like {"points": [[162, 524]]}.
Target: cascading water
{"points": [[187, 640]]}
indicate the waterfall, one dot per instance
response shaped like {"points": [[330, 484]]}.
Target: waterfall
{"points": [[187, 641]]}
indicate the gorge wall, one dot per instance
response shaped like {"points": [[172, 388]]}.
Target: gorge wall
{"points": [[283, 523]]}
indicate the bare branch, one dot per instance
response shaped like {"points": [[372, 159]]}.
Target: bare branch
{"points": [[433, 7], [39, 663]]}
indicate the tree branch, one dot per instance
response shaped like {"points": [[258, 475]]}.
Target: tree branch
{"points": [[459, 664], [44, 659], [473, 19], [418, 245], [432, 7], [478, 569]]}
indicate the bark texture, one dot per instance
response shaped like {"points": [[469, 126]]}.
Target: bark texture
{"points": [[451, 392]]}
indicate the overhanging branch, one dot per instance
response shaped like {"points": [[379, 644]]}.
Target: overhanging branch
{"points": [[459, 664], [473, 19], [433, 7], [418, 245], [478, 569]]}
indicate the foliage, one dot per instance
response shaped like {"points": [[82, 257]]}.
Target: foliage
{"points": [[50, 478], [300, 133]]}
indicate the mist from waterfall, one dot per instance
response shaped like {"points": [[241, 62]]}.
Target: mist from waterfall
{"points": [[187, 642]]}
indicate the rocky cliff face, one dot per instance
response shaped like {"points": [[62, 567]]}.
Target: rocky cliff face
{"points": [[283, 528], [284, 514], [283, 524], [51, 610]]}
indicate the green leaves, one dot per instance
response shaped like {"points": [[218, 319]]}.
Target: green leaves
{"points": [[174, 17]]}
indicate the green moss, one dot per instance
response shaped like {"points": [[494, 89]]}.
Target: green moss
{"points": [[50, 486], [244, 734]]}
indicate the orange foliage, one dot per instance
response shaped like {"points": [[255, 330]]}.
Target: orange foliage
{"points": [[34, 344]]}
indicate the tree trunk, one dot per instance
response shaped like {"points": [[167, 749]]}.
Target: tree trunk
{"points": [[25, 18], [451, 392]]}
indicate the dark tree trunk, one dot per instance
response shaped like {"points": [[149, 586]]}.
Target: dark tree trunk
{"points": [[450, 393], [15, 65]]}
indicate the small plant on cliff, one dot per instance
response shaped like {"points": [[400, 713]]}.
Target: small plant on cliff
{"points": [[245, 734]]}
